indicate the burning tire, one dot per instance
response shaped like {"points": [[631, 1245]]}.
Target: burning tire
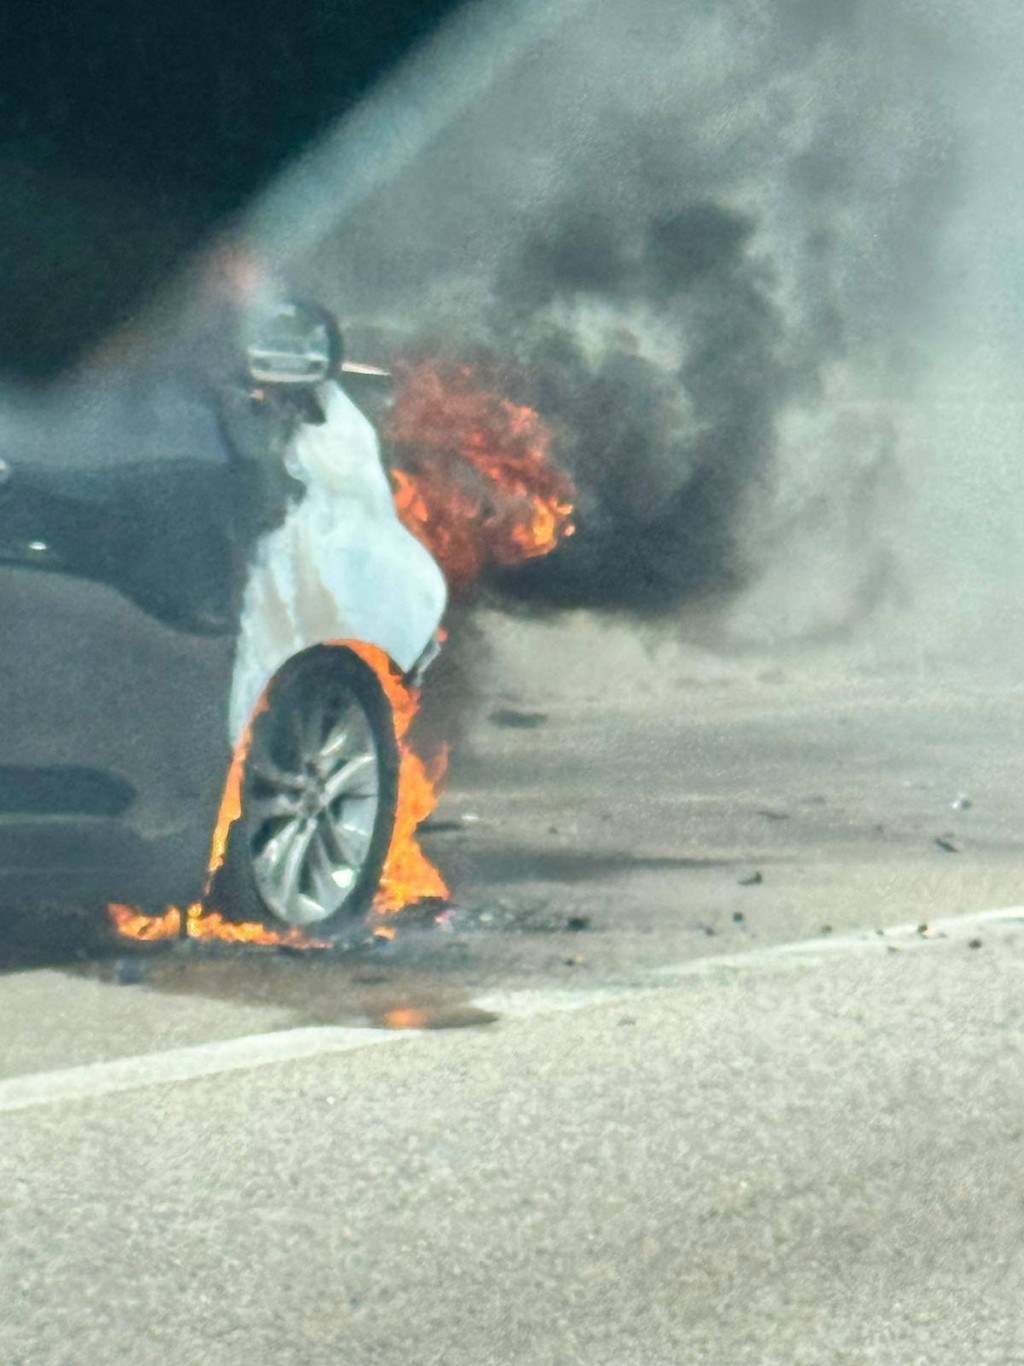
{"points": [[318, 799]]}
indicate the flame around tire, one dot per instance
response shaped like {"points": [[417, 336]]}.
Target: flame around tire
{"points": [[408, 876]]}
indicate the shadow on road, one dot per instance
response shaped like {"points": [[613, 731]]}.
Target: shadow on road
{"points": [[52, 934], [521, 863]]}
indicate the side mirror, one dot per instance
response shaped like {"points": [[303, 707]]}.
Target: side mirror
{"points": [[292, 344]]}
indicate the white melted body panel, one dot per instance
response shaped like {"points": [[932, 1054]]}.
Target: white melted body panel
{"points": [[340, 567]]}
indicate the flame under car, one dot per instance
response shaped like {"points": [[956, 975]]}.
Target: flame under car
{"points": [[213, 621]]}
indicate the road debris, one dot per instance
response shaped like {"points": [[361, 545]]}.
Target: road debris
{"points": [[925, 931]]}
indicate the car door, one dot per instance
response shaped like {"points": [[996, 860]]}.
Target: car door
{"points": [[120, 561]]}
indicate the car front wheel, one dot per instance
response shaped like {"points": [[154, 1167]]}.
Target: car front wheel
{"points": [[318, 799]]}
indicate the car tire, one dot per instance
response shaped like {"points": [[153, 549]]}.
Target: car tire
{"points": [[318, 800]]}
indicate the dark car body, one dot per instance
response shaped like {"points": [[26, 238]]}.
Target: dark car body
{"points": [[125, 523]]}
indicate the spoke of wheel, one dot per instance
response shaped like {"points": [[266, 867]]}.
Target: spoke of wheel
{"points": [[261, 766], [333, 747], [329, 893], [281, 803], [288, 873], [353, 842], [345, 844], [304, 723], [270, 862], [351, 779], [278, 845], [313, 724]]}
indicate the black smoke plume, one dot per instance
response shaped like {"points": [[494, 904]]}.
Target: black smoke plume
{"points": [[661, 453], [701, 236]]}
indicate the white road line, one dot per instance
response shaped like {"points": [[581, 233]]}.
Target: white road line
{"points": [[183, 1064], [291, 1045], [528, 1004]]}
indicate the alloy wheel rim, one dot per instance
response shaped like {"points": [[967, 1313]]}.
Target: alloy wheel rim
{"points": [[311, 807]]}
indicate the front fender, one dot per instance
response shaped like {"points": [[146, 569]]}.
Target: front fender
{"points": [[340, 567]]}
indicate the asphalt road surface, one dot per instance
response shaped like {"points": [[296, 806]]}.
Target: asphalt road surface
{"points": [[596, 1115]]}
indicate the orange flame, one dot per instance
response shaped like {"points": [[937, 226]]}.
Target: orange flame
{"points": [[198, 923], [476, 484], [203, 924], [231, 800], [149, 929], [408, 875]]}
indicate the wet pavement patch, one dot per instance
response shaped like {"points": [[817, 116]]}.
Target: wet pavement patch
{"points": [[395, 986], [433, 1017]]}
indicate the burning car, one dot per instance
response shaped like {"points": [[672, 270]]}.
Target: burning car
{"points": [[214, 621]]}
